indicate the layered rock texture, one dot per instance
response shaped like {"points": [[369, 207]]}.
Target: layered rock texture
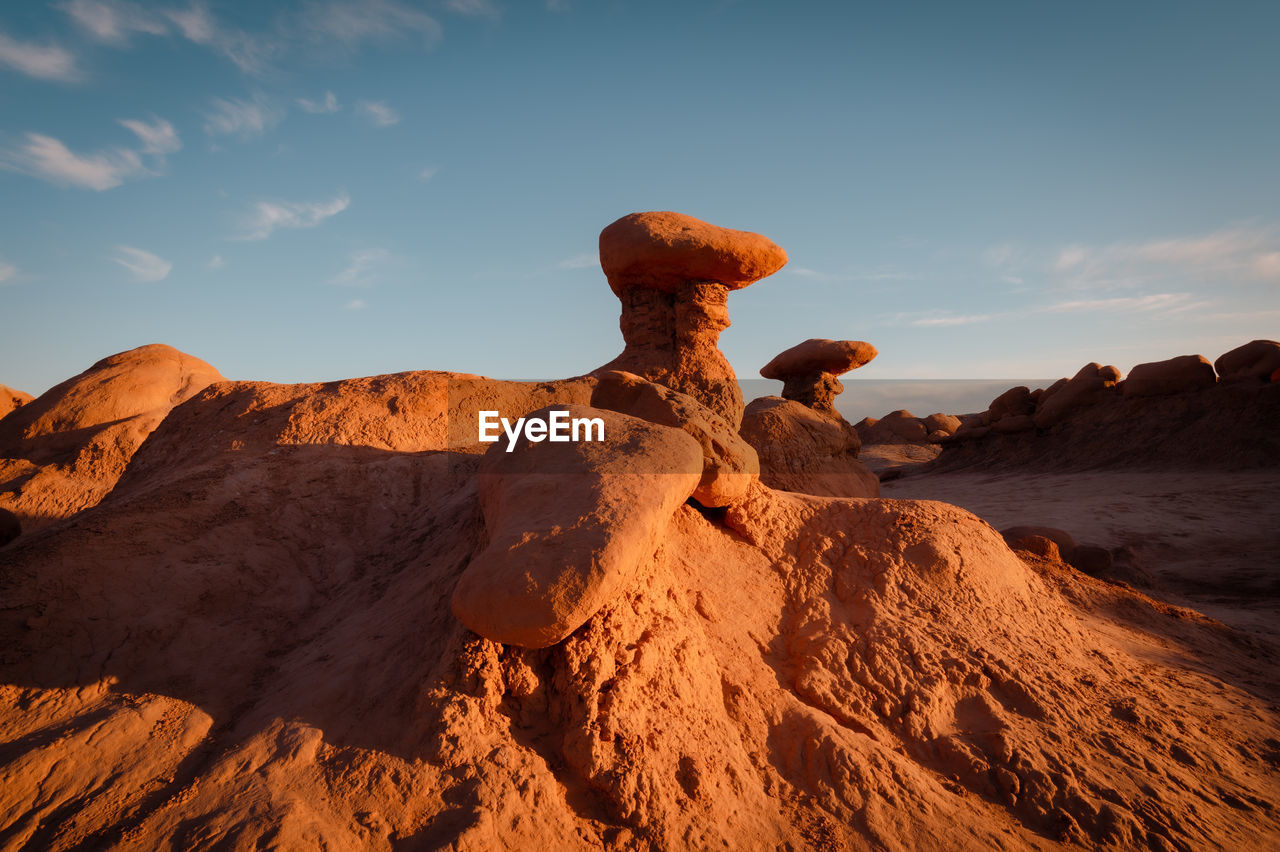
{"points": [[804, 444], [673, 274], [324, 616]]}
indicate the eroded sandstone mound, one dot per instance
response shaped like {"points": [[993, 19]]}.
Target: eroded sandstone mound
{"points": [[10, 398], [62, 452], [230, 650]]}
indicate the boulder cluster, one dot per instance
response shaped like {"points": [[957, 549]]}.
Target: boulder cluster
{"points": [[1021, 409]]}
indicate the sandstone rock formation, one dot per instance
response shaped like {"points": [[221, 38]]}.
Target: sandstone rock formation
{"points": [[899, 426], [1257, 359], [63, 452], [1086, 387], [806, 450], [11, 399], [673, 274], [569, 525], [730, 464], [810, 370], [1176, 375]]}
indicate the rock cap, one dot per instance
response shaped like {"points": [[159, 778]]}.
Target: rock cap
{"points": [[819, 355], [661, 250]]}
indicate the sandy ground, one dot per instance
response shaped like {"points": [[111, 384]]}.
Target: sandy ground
{"points": [[1210, 540]]}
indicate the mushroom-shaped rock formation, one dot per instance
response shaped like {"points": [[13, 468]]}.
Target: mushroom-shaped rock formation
{"points": [[673, 274], [808, 370], [570, 523], [729, 463], [11, 399], [1257, 359]]}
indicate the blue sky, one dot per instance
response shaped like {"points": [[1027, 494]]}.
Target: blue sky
{"points": [[317, 190]]}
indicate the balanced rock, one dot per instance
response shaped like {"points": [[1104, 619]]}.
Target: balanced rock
{"points": [[1176, 375], [808, 370], [729, 463], [673, 274], [807, 450], [11, 399], [570, 523], [665, 250], [1257, 359]]}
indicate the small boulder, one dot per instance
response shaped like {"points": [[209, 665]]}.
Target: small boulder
{"points": [[1045, 548], [1065, 543], [939, 422], [569, 525], [1176, 375], [1084, 388], [1257, 360], [729, 463], [1014, 401]]}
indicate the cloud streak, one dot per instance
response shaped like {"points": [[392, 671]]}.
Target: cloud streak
{"points": [[113, 21], [7, 271], [44, 62], [361, 271], [267, 216], [329, 104], [239, 117], [143, 265], [379, 113]]}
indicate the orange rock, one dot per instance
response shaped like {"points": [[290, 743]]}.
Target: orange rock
{"points": [[11, 399], [1175, 375], [570, 524], [807, 450], [1257, 359], [729, 463], [1084, 388], [809, 369], [662, 250], [1013, 401]]}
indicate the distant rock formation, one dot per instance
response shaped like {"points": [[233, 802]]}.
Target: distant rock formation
{"points": [[809, 371], [11, 399], [804, 444], [64, 451], [673, 274], [1174, 411]]}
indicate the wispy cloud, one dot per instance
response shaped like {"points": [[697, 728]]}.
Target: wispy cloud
{"points": [[267, 216], [240, 117], [474, 8], [328, 104], [216, 262], [379, 113], [350, 23], [158, 138], [113, 21], [362, 268], [250, 53], [1159, 304], [355, 305], [47, 158], [427, 173], [7, 271], [937, 322], [46, 62], [144, 266], [580, 261], [1230, 255]]}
